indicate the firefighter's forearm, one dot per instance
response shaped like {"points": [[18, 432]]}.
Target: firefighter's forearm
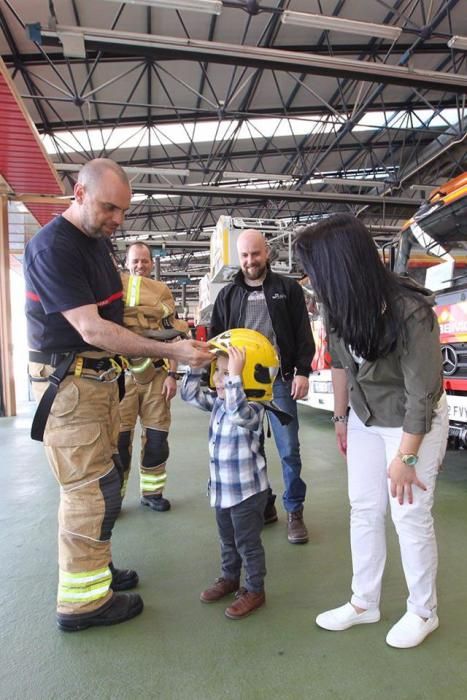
{"points": [[109, 336], [117, 339]]}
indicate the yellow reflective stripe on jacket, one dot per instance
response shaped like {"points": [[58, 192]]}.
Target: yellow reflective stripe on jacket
{"points": [[83, 586], [167, 310], [151, 482], [140, 367], [79, 366], [133, 291]]}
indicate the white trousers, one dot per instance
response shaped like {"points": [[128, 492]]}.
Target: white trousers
{"points": [[369, 453]]}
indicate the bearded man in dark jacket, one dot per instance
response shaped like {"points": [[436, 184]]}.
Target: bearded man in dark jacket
{"points": [[274, 305]]}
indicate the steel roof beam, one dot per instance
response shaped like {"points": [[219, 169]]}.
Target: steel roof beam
{"points": [[154, 46], [241, 154], [128, 236], [377, 91], [106, 56], [294, 196]]}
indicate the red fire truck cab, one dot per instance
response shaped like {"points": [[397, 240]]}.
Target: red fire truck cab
{"points": [[440, 226]]}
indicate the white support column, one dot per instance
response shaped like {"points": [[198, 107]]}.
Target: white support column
{"points": [[6, 340]]}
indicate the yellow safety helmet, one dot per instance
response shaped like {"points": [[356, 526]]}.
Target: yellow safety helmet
{"points": [[261, 360]]}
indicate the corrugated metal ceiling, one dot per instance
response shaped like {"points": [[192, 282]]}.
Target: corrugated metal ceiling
{"points": [[24, 164]]}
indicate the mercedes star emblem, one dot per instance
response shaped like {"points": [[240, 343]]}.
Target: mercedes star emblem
{"points": [[449, 359]]}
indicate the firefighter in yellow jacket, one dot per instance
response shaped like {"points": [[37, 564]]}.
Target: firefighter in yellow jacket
{"points": [[149, 385]]}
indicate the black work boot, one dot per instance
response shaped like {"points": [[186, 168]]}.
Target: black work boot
{"points": [[120, 608], [157, 502], [296, 528], [123, 579], [270, 512]]}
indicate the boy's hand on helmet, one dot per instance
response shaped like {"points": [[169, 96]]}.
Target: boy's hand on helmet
{"points": [[236, 361]]}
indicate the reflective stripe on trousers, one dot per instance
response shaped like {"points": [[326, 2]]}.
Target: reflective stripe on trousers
{"points": [[152, 481], [147, 402], [86, 586]]}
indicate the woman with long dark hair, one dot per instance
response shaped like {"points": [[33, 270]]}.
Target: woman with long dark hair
{"points": [[386, 366]]}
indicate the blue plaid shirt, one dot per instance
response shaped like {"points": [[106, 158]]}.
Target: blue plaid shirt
{"points": [[237, 464]]}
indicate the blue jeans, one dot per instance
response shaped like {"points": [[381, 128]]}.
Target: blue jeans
{"points": [[288, 446]]}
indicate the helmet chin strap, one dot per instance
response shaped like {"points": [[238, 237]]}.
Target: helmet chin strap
{"points": [[284, 417]]}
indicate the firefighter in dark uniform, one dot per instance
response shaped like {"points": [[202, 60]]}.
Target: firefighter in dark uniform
{"points": [[74, 310]]}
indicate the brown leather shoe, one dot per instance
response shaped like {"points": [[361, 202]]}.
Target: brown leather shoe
{"points": [[221, 588], [245, 603], [296, 528]]}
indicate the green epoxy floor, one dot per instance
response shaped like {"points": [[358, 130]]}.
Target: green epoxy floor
{"points": [[180, 649]]}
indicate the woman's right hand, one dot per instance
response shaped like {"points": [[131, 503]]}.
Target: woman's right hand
{"points": [[341, 437]]}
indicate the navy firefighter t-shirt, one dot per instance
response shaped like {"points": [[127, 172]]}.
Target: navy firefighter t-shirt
{"points": [[65, 269]]}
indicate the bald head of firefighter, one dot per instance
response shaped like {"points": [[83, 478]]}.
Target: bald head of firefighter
{"points": [[139, 260], [102, 196]]}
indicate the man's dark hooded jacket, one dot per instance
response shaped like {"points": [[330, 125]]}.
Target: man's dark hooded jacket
{"points": [[289, 316]]}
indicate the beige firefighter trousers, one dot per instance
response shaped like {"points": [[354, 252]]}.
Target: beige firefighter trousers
{"points": [[147, 402], [80, 440]]}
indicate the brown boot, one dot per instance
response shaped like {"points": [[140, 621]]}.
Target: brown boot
{"points": [[296, 528], [220, 588], [245, 603]]}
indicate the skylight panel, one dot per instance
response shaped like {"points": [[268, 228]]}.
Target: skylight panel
{"points": [[110, 139]]}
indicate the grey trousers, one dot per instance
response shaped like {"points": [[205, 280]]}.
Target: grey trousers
{"points": [[240, 535]]}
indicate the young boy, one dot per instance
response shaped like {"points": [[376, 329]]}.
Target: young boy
{"points": [[238, 482]]}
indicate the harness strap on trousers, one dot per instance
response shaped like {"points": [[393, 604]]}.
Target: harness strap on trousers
{"points": [[63, 363], [45, 404]]}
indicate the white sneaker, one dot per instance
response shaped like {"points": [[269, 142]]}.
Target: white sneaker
{"points": [[411, 630], [346, 616]]}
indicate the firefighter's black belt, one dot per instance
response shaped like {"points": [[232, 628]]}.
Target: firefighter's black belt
{"points": [[101, 364], [47, 358]]}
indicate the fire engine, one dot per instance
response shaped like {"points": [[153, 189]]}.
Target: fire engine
{"points": [[439, 228]]}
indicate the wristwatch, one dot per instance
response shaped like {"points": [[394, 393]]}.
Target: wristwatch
{"points": [[172, 374], [339, 419], [409, 459]]}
